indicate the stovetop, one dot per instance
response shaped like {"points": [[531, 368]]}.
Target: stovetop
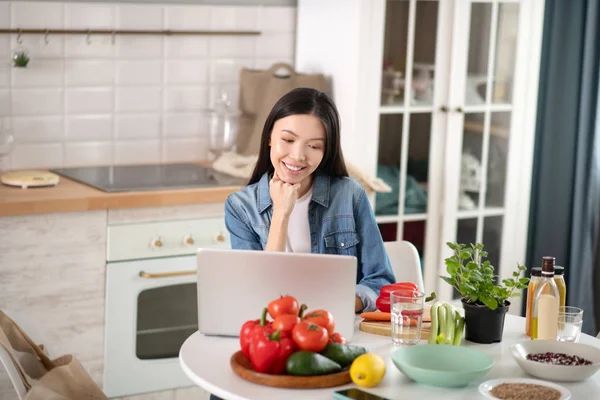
{"points": [[128, 178]]}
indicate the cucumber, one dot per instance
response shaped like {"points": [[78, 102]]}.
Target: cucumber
{"points": [[308, 363], [343, 354]]}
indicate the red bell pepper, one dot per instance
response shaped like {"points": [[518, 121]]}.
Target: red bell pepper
{"points": [[406, 289], [387, 289], [269, 352], [383, 304], [287, 346], [411, 313], [248, 328], [383, 301]]}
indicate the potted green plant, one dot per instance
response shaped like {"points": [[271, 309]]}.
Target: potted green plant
{"points": [[485, 302]]}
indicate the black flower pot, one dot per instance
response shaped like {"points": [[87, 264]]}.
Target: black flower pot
{"points": [[484, 325]]}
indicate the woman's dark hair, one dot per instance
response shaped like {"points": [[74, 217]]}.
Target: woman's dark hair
{"points": [[310, 102]]}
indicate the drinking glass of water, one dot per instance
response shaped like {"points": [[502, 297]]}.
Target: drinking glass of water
{"points": [[407, 313], [570, 320]]}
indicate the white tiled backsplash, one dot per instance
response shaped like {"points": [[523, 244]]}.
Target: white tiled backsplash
{"points": [[141, 99]]}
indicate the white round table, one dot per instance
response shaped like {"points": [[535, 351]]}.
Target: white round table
{"points": [[205, 360]]}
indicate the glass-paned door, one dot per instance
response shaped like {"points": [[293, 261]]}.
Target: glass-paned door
{"points": [[408, 73], [408, 114], [484, 61]]}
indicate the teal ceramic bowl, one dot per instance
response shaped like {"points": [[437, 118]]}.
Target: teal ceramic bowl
{"points": [[442, 365]]}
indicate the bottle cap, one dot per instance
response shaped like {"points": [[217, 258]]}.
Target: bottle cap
{"points": [[558, 270], [548, 266], [537, 271]]}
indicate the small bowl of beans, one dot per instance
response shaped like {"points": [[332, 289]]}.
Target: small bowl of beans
{"points": [[557, 361], [523, 389]]}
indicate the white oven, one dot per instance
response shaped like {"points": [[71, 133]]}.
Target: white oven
{"points": [[151, 304]]}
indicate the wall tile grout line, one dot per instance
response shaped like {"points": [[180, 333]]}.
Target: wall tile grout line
{"points": [[162, 120], [64, 88], [114, 136], [9, 119], [139, 100]]}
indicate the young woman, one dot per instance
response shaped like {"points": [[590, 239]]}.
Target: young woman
{"points": [[300, 198]]}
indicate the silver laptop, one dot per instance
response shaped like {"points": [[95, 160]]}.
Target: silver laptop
{"points": [[235, 285]]}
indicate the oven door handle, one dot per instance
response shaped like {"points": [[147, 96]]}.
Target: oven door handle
{"points": [[148, 275]]}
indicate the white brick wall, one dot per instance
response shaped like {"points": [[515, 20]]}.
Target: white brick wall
{"points": [[142, 99]]}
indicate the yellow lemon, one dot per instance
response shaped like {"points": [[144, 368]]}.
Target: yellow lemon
{"points": [[367, 370]]}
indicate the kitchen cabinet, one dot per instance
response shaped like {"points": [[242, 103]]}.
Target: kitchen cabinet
{"points": [[438, 98], [53, 272]]}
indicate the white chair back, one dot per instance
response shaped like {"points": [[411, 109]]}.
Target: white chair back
{"points": [[405, 261]]}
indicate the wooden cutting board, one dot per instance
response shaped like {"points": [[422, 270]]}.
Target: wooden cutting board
{"points": [[385, 328]]}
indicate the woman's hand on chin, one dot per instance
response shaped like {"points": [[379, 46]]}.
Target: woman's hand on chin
{"points": [[283, 195]]}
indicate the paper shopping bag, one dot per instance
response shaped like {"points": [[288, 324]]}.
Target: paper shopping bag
{"points": [[259, 91], [63, 378]]}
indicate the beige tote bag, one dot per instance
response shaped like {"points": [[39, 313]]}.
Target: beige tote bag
{"points": [[60, 379]]}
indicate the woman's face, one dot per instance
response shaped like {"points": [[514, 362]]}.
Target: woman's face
{"points": [[297, 148]]}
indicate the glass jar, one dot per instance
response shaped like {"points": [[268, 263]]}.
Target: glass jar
{"points": [[535, 276], [223, 126], [559, 279]]}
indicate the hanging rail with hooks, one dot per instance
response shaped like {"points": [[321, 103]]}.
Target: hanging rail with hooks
{"points": [[89, 32]]}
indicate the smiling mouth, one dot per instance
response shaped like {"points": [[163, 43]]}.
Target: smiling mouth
{"points": [[293, 168]]}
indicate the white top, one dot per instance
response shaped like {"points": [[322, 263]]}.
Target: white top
{"points": [[205, 360], [298, 237]]}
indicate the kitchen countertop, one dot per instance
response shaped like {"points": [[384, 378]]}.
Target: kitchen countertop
{"points": [[69, 196]]}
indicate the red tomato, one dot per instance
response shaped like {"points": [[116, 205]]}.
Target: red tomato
{"points": [[322, 318], [283, 305], [337, 338], [310, 337], [285, 323]]}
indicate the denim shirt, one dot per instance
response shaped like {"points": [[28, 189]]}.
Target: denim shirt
{"points": [[340, 219]]}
